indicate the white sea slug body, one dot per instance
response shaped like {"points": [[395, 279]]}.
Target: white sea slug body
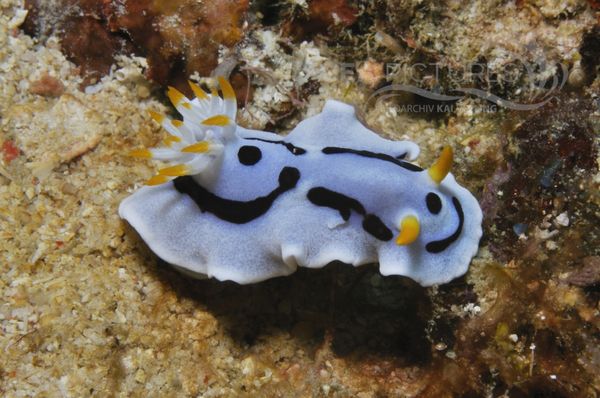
{"points": [[248, 205]]}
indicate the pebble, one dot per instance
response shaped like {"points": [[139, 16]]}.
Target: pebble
{"points": [[143, 91], [519, 229], [562, 219], [577, 76], [441, 346], [371, 73]]}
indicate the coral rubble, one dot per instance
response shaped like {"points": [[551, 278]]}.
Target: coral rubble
{"points": [[86, 309]]}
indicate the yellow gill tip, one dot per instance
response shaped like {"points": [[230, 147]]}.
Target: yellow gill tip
{"points": [[198, 147], [141, 153], [440, 169], [409, 230], [174, 171], [175, 96], [226, 89], [157, 180], [198, 92], [157, 117], [177, 123], [170, 139], [218, 120]]}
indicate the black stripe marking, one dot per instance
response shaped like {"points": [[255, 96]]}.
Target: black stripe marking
{"points": [[326, 198], [373, 225], [441, 245], [290, 147], [332, 150], [344, 204], [235, 211]]}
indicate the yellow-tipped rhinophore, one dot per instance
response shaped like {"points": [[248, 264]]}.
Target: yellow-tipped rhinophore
{"points": [[218, 120], [175, 96], [141, 153], [409, 230], [198, 92], [228, 92], [157, 117], [198, 147], [157, 180], [174, 171], [440, 169]]}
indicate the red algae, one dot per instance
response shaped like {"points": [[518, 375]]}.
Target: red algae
{"points": [[178, 38], [9, 151], [47, 86], [321, 17]]}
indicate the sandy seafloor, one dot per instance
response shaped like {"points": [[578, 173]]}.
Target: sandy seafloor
{"points": [[87, 310]]}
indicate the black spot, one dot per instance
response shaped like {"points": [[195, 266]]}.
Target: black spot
{"points": [[249, 155], [236, 211], [434, 203], [441, 245]]}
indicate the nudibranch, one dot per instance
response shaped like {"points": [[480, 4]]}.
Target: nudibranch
{"points": [[247, 205]]}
